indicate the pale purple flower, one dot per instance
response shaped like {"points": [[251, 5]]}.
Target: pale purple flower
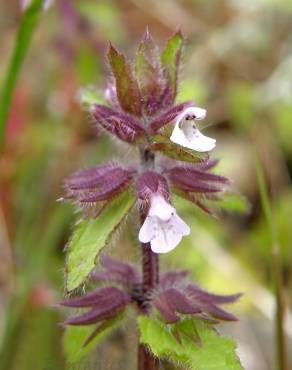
{"points": [[187, 134], [162, 228]]}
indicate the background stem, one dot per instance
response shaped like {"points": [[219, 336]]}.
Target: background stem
{"points": [[276, 269], [26, 29]]}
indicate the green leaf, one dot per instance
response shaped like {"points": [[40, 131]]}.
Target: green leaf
{"points": [[175, 152], [75, 338], [23, 39], [171, 58], [190, 342], [90, 236], [127, 87], [234, 203], [89, 96]]}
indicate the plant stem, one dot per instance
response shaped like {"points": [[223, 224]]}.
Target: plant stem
{"points": [[146, 361], [150, 265]]}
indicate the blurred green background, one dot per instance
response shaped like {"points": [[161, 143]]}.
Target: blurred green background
{"points": [[238, 65]]}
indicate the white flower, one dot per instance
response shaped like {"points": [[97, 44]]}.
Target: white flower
{"points": [[187, 134], [163, 228]]}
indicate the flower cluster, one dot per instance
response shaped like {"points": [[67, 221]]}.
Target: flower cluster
{"points": [[173, 297], [141, 109], [162, 227]]}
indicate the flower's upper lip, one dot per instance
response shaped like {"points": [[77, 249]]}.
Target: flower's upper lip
{"points": [[195, 113], [160, 208]]}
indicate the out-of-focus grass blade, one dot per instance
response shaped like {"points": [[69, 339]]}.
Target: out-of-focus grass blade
{"points": [[267, 209], [25, 32], [276, 268]]}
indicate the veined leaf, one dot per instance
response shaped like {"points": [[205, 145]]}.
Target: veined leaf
{"points": [[90, 236], [127, 87], [190, 342], [75, 338]]}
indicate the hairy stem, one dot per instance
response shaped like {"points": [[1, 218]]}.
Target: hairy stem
{"points": [[146, 361]]}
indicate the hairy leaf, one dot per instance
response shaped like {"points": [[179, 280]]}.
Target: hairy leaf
{"points": [[90, 236], [127, 87], [190, 342]]}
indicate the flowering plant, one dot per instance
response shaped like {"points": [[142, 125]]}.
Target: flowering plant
{"points": [[174, 159]]}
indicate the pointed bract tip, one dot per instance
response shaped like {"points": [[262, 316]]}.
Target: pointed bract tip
{"points": [[147, 35], [111, 49], [179, 32]]}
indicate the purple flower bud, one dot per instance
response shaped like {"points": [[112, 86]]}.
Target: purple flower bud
{"points": [[98, 184], [195, 183], [118, 272], [120, 124], [105, 303], [192, 300], [149, 183]]}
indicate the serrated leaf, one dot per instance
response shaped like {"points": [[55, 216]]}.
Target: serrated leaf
{"points": [[127, 87], [171, 57], [175, 152], [88, 96], [90, 236], [234, 203], [75, 338], [179, 343]]}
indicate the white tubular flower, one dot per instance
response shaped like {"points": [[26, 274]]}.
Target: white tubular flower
{"points": [[187, 134], [163, 228]]}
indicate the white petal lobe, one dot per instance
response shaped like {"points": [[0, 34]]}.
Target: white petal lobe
{"points": [[146, 232]]}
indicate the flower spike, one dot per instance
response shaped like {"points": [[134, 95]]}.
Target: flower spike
{"points": [[140, 110]]}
